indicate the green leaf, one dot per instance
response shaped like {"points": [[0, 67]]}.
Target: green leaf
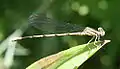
{"points": [[69, 59]]}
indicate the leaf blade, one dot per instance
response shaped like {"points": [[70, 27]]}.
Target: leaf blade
{"points": [[68, 59]]}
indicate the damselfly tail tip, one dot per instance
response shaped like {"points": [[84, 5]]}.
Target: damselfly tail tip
{"points": [[17, 38]]}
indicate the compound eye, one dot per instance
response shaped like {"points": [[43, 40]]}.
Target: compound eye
{"points": [[102, 32]]}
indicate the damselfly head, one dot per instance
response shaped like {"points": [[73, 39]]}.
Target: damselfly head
{"points": [[102, 32]]}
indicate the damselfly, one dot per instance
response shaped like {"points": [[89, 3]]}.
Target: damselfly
{"points": [[40, 20]]}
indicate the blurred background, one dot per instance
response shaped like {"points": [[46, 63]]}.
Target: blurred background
{"points": [[14, 22]]}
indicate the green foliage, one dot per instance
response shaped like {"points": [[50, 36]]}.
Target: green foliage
{"points": [[94, 13], [68, 59]]}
